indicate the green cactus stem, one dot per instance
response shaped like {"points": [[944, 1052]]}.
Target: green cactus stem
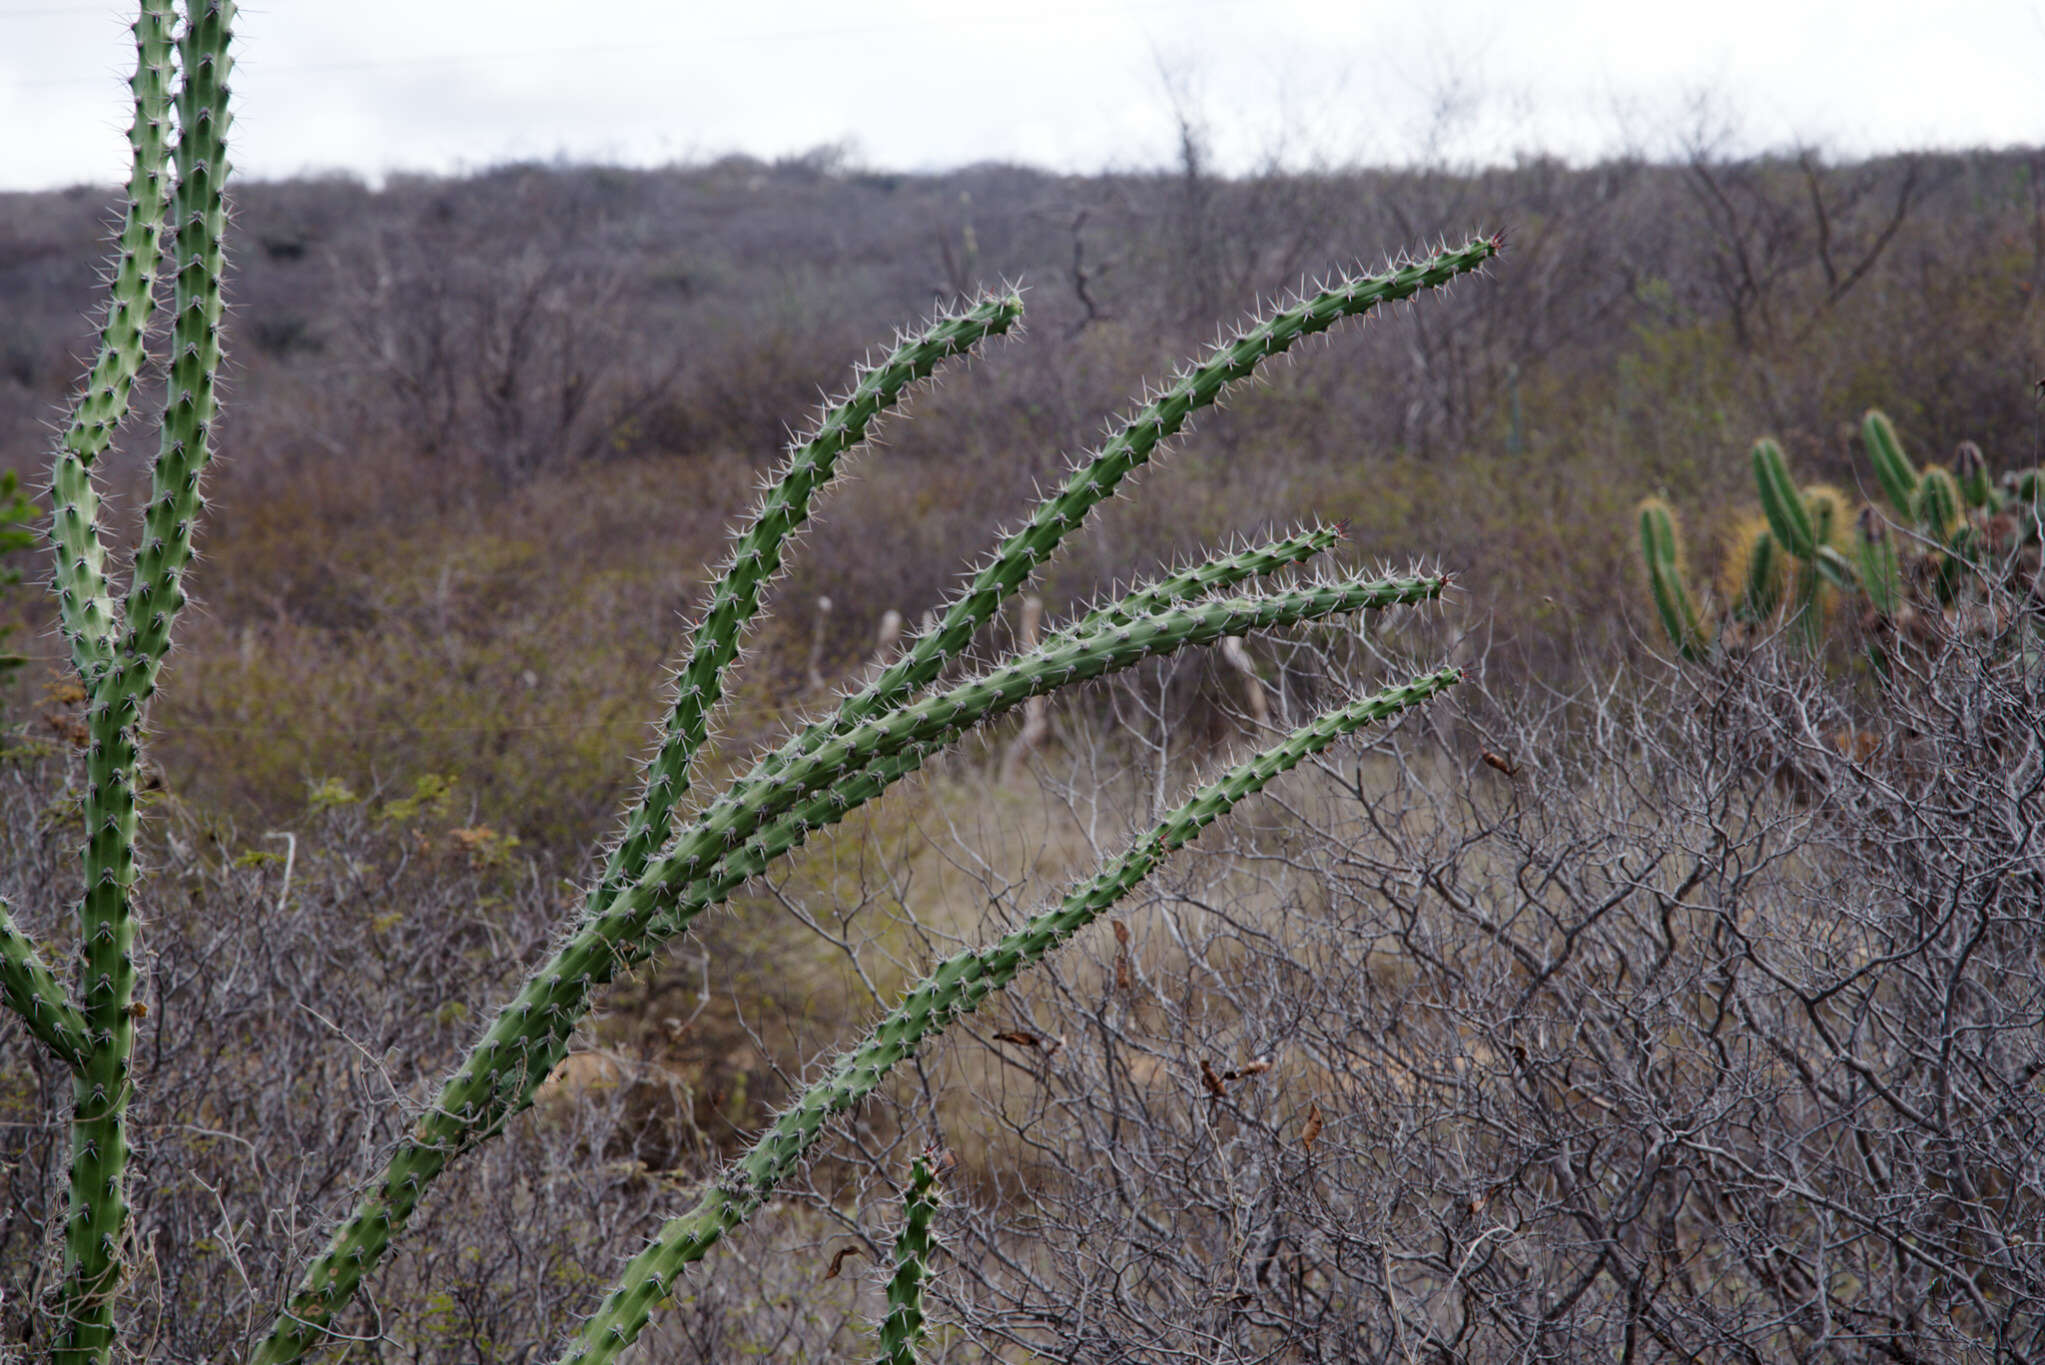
{"points": [[97, 1218], [1938, 504], [1893, 469], [756, 558], [501, 1071], [956, 987], [33, 993], [1761, 581], [1806, 608], [902, 1331], [1661, 551], [1216, 574], [1970, 469], [1880, 573], [1095, 478], [85, 605], [497, 1076], [198, 228], [1787, 516]]}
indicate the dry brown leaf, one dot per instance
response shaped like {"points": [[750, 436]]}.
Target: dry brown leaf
{"points": [[1504, 765], [1312, 1130], [838, 1259]]}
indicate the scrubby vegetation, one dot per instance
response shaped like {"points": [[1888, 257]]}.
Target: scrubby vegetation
{"points": [[501, 387], [1614, 1007]]}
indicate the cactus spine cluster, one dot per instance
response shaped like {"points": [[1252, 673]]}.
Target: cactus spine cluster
{"points": [[1941, 531], [659, 875]]}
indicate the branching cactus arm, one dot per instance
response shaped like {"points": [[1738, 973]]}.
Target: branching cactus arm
{"points": [[85, 604], [530, 1035], [956, 987], [528, 1038], [1215, 575], [1095, 478], [756, 558], [902, 1331], [33, 992]]}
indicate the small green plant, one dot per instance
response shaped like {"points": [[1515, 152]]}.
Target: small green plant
{"points": [[666, 868], [1947, 536]]}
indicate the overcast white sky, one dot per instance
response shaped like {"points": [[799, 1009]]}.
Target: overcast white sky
{"points": [[377, 85]]}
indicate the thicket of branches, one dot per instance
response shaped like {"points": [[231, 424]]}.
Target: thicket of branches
{"points": [[1694, 1014], [472, 427]]}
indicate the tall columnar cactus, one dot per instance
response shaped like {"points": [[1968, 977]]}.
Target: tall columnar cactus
{"points": [[1938, 503], [1754, 572], [118, 651], [662, 872], [1880, 572]]}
